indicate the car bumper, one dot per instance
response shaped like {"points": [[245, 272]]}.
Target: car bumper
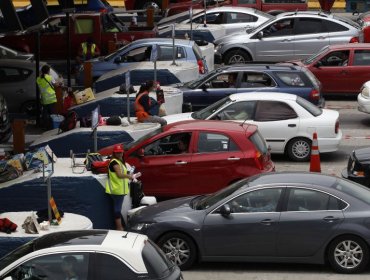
{"points": [[327, 145], [218, 58], [365, 181], [363, 104]]}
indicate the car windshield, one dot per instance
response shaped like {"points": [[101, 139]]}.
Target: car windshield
{"points": [[196, 83], [214, 198], [353, 189], [208, 111], [110, 56], [262, 26], [143, 138], [313, 109], [312, 58], [16, 254]]}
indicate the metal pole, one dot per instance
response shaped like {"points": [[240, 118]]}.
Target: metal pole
{"points": [[205, 13], [128, 106], [68, 51], [95, 135], [37, 54], [173, 45], [49, 197], [191, 21]]}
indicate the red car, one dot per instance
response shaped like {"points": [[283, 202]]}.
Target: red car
{"points": [[341, 69], [215, 155], [364, 21]]}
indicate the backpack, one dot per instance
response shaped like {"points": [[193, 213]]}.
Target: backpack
{"points": [[85, 122], [100, 167], [92, 157], [114, 120], [69, 122]]}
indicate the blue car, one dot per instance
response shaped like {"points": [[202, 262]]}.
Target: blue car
{"points": [[247, 78], [141, 50]]}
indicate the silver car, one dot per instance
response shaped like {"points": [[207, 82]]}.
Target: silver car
{"points": [[232, 18], [291, 35]]}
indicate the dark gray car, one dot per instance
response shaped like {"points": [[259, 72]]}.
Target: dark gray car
{"points": [[294, 217]]}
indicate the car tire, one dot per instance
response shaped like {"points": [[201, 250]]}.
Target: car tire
{"points": [[179, 248], [145, 4], [29, 108], [299, 149], [348, 254], [237, 57]]}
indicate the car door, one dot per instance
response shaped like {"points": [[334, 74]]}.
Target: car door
{"points": [[277, 122], [217, 161], [309, 220], [276, 43], [250, 230], [310, 36], [333, 71], [234, 21], [358, 70], [165, 171], [212, 90]]}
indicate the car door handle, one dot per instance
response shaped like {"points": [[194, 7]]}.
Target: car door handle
{"points": [[292, 125], [330, 219], [180, 162], [286, 40], [267, 222], [233, 158]]}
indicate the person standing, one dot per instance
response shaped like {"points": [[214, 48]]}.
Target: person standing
{"points": [[48, 97], [144, 106], [117, 185], [87, 50]]}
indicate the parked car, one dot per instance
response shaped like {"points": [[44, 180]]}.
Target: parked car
{"points": [[364, 21], [218, 153], [10, 53], [247, 78], [358, 167], [18, 84], [90, 254], [5, 128], [341, 69], [291, 35], [363, 98], [286, 121], [234, 19], [141, 51], [292, 217]]}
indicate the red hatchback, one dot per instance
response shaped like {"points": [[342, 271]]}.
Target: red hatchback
{"points": [[197, 157], [341, 69]]}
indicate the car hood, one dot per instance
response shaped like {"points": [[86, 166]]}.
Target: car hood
{"points": [[363, 155], [178, 117]]}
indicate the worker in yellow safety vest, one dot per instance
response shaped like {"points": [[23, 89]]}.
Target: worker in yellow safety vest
{"points": [[48, 97], [87, 50], [117, 185]]}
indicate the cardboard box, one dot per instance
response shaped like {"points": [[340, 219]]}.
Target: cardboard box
{"points": [[84, 96]]}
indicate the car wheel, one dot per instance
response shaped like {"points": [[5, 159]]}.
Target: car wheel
{"points": [[145, 4], [237, 57], [299, 149], [28, 108], [179, 248], [348, 254]]}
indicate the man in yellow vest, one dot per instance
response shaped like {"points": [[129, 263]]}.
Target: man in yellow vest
{"points": [[46, 85], [87, 50], [117, 185]]}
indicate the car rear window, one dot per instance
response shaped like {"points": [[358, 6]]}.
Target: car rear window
{"points": [[311, 77], [313, 109], [347, 21], [353, 189], [157, 264], [259, 142]]}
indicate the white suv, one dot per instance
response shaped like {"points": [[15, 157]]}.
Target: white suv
{"points": [[288, 36]]}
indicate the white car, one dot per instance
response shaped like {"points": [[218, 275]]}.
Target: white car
{"points": [[88, 254], [363, 99], [232, 18], [286, 121]]}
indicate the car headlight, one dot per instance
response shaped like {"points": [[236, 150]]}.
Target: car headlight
{"points": [[365, 92], [141, 226], [218, 47]]}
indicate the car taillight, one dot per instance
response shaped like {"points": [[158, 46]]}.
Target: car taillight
{"points": [[354, 40], [314, 95], [258, 160], [336, 127], [201, 67], [103, 10]]}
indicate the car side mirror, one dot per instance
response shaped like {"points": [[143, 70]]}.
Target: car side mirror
{"points": [[225, 210], [205, 86], [318, 64], [118, 60], [260, 35], [140, 153]]}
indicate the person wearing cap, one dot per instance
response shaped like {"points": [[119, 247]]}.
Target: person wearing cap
{"points": [[143, 105], [117, 185], [46, 85]]}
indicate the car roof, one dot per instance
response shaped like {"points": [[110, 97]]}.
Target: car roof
{"points": [[163, 41], [266, 67], [231, 8], [262, 96], [349, 46], [210, 125], [305, 13]]}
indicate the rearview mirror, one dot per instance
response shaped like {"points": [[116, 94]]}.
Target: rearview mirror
{"points": [[318, 64], [225, 210], [260, 35]]}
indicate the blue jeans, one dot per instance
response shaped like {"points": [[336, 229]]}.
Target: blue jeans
{"points": [[117, 204]]}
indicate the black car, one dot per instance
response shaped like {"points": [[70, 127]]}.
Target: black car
{"points": [[5, 128], [247, 78], [358, 167]]}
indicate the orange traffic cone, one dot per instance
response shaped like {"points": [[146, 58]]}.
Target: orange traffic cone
{"points": [[315, 155]]}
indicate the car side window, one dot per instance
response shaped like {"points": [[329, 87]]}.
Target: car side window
{"points": [[138, 54], [242, 110], [265, 200], [335, 59], [173, 144], [273, 111], [333, 26], [291, 79], [240, 18], [166, 53], [309, 26], [224, 80], [214, 142], [362, 57], [10, 74], [256, 79], [283, 27], [56, 266], [311, 200], [112, 268], [84, 26]]}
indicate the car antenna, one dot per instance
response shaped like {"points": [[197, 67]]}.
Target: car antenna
{"points": [[246, 118], [125, 236]]}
